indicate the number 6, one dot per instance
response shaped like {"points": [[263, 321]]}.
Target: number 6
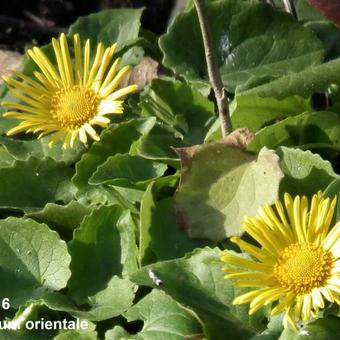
{"points": [[5, 303]]}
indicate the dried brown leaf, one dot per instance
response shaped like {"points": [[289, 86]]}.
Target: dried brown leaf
{"points": [[9, 63]]}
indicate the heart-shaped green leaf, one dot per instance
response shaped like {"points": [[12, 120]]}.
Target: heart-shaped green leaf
{"points": [[254, 44]]}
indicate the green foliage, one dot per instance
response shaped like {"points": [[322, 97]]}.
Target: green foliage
{"points": [[99, 251], [181, 107], [22, 150], [332, 190], [112, 301], [254, 44], [256, 112], [160, 235], [62, 218], [313, 79], [40, 181], [126, 170], [6, 159], [75, 335], [305, 173], [26, 335], [117, 139], [305, 130], [163, 318], [203, 289], [120, 233], [322, 329], [33, 260], [159, 145]]}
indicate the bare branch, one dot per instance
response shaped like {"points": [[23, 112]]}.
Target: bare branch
{"points": [[213, 70]]}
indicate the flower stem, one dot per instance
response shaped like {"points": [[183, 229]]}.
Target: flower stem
{"points": [[213, 70]]}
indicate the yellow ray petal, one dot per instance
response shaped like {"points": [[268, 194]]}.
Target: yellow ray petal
{"points": [[105, 91]]}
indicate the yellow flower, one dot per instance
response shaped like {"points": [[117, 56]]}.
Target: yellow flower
{"points": [[70, 98], [297, 263]]}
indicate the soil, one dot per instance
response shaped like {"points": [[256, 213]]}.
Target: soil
{"points": [[27, 22]]}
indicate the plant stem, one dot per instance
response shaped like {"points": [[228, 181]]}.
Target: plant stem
{"points": [[290, 8], [269, 2], [213, 70]]}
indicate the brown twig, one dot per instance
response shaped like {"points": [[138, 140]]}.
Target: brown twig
{"points": [[37, 20], [9, 22], [290, 8], [213, 70], [269, 2]]}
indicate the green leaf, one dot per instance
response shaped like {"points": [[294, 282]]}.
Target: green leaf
{"points": [[332, 190], [305, 173], [159, 234], [255, 112], [3, 91], [62, 218], [306, 12], [115, 299], [39, 181], [108, 195], [103, 246], [77, 335], [118, 333], [168, 241], [303, 130], [119, 26], [214, 134], [179, 106], [304, 83], [222, 184], [197, 281], [26, 335], [328, 34], [159, 146], [99, 195], [33, 259], [334, 96], [273, 330], [322, 329], [23, 149], [254, 44], [163, 318], [116, 139], [127, 171], [129, 255], [6, 159], [54, 301], [132, 194], [145, 253]]}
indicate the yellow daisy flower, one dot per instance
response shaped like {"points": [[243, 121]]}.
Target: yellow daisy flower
{"points": [[70, 98], [297, 262]]}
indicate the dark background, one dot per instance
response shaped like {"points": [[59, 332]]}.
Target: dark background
{"points": [[27, 22]]}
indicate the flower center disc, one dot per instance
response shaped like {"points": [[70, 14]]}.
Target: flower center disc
{"points": [[74, 107], [303, 267]]}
